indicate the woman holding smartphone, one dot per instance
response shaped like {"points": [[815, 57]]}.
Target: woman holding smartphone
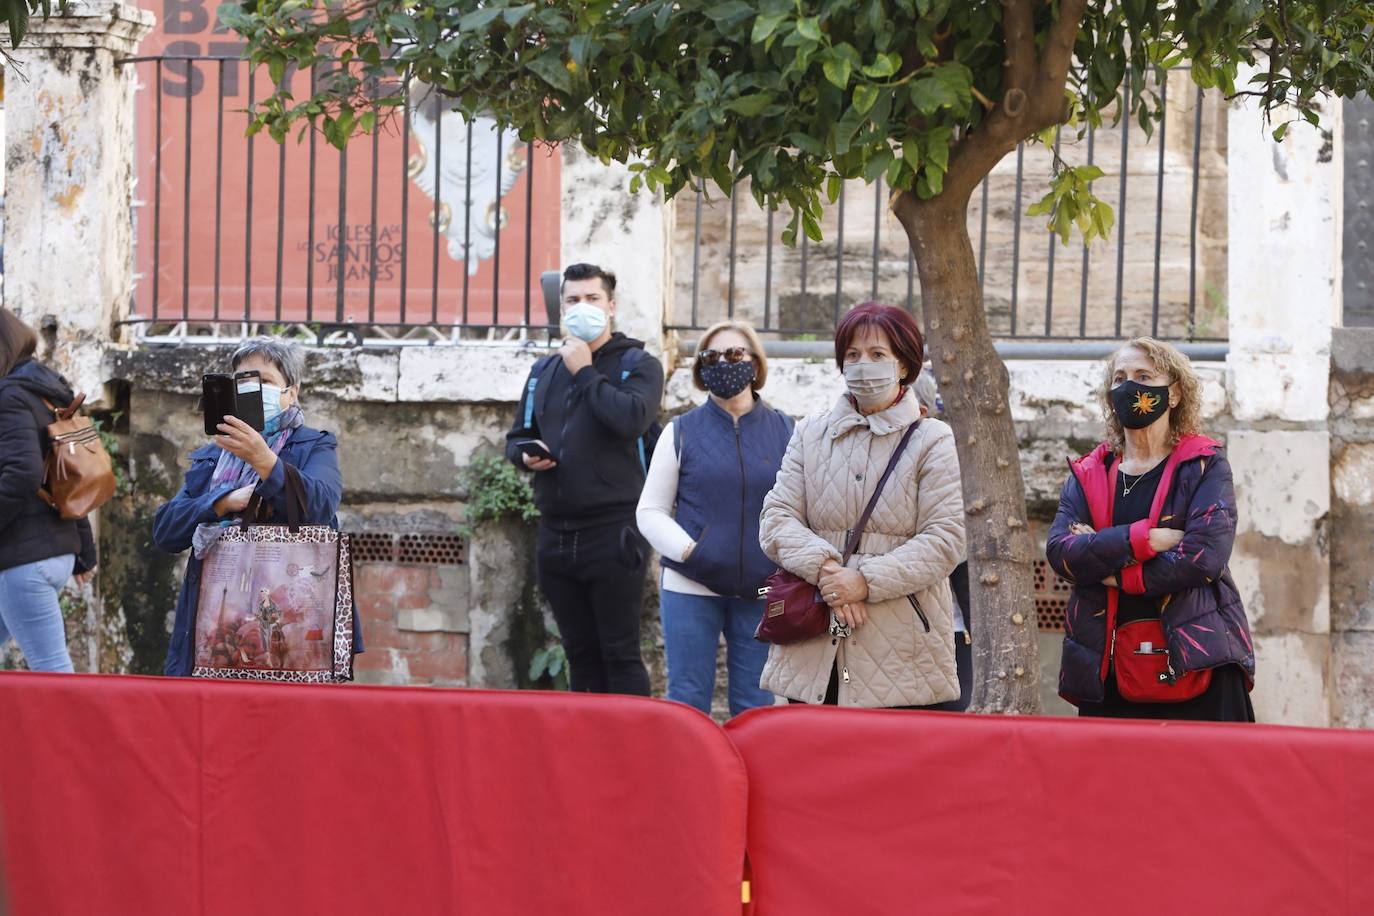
{"points": [[700, 510], [240, 462]]}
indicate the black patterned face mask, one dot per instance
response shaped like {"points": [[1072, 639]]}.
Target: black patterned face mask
{"points": [[1138, 406], [725, 380]]}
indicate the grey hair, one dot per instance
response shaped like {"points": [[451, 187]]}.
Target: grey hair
{"points": [[286, 355], [927, 394]]}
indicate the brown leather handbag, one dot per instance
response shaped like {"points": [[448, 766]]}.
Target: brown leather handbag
{"points": [[795, 610], [78, 477]]}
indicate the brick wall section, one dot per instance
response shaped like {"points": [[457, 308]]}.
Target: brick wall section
{"points": [[410, 618]]}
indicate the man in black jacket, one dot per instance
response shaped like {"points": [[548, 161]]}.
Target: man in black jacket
{"points": [[580, 428]]}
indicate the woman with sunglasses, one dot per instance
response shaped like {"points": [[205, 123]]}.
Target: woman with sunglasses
{"points": [[700, 510]]}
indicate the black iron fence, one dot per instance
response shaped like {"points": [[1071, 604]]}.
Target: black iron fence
{"points": [[1163, 271], [430, 224], [434, 228]]}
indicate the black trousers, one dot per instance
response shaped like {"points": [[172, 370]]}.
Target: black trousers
{"points": [[594, 580]]}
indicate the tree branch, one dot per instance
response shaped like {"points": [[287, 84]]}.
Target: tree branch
{"points": [[1018, 37], [1049, 105]]}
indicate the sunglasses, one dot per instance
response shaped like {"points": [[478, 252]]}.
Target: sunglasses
{"points": [[731, 355]]}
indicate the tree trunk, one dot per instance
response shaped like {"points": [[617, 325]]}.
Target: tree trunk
{"points": [[973, 385]]}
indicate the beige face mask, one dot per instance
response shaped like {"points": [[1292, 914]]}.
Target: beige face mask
{"points": [[872, 384]]}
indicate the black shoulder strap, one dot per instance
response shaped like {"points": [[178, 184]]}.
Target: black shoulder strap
{"points": [[858, 531]]}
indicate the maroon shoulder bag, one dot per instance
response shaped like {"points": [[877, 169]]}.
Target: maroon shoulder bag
{"points": [[795, 610]]}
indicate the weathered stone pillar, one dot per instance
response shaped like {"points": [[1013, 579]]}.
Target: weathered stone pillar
{"points": [[631, 234], [69, 135], [1284, 297], [1352, 528]]}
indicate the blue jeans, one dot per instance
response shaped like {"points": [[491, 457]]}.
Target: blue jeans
{"points": [[692, 625], [30, 613]]}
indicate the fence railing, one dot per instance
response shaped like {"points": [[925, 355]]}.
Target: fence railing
{"points": [[435, 229], [1161, 273], [431, 228]]}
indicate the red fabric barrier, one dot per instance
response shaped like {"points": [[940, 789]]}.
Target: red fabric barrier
{"points": [[861, 812], [149, 796]]}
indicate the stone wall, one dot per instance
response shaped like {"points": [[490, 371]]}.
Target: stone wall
{"points": [[1352, 528]]}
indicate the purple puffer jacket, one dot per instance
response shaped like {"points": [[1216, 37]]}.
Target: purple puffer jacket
{"points": [[1200, 606]]}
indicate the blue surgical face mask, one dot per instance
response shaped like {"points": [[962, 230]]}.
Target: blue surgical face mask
{"points": [[271, 408], [586, 322]]}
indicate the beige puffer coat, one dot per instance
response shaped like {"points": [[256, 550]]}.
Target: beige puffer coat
{"points": [[911, 545]]}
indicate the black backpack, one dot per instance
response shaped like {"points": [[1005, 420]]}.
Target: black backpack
{"points": [[628, 360]]}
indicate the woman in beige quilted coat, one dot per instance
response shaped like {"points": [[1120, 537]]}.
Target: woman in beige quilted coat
{"points": [[891, 643]]}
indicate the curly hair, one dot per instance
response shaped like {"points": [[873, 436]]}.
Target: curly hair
{"points": [[1185, 419]]}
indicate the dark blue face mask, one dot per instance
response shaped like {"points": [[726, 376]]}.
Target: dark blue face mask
{"points": [[1138, 406], [725, 380]]}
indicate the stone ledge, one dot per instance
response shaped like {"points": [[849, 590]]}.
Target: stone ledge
{"points": [[90, 25]]}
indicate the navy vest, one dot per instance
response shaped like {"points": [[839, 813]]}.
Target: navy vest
{"points": [[724, 473]]}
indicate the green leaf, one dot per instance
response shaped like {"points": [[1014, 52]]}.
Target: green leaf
{"points": [[809, 28], [1281, 130], [750, 105], [276, 64], [550, 68], [809, 144], [877, 164], [937, 149], [837, 71], [865, 96], [765, 26], [516, 13], [556, 666], [729, 12], [846, 128], [944, 86], [19, 20], [1087, 173], [367, 121], [812, 227], [885, 66], [478, 19], [833, 183]]}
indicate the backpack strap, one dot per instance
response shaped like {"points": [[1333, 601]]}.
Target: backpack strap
{"points": [[535, 372], [628, 360]]}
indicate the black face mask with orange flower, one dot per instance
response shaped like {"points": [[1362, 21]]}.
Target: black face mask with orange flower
{"points": [[1137, 406]]}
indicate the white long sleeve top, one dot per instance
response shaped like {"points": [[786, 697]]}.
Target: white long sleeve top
{"points": [[655, 516]]}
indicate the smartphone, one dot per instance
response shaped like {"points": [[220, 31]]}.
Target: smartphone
{"points": [[217, 400], [248, 399], [535, 449], [238, 395]]}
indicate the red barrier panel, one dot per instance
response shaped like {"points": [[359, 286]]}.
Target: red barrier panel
{"points": [[149, 796], [861, 812]]}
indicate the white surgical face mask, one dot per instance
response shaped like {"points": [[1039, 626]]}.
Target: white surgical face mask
{"points": [[873, 384], [585, 321]]}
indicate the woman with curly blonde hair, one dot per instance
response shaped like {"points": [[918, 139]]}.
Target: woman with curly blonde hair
{"points": [[1155, 628]]}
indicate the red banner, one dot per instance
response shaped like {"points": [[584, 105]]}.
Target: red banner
{"points": [[159, 795], [858, 811], [430, 214]]}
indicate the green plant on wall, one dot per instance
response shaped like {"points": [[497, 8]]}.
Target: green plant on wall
{"points": [[496, 490], [111, 444], [551, 660]]}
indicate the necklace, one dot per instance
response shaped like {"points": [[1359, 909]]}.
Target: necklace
{"points": [[1127, 488]]}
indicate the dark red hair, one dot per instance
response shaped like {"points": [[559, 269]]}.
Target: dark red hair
{"points": [[908, 345]]}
